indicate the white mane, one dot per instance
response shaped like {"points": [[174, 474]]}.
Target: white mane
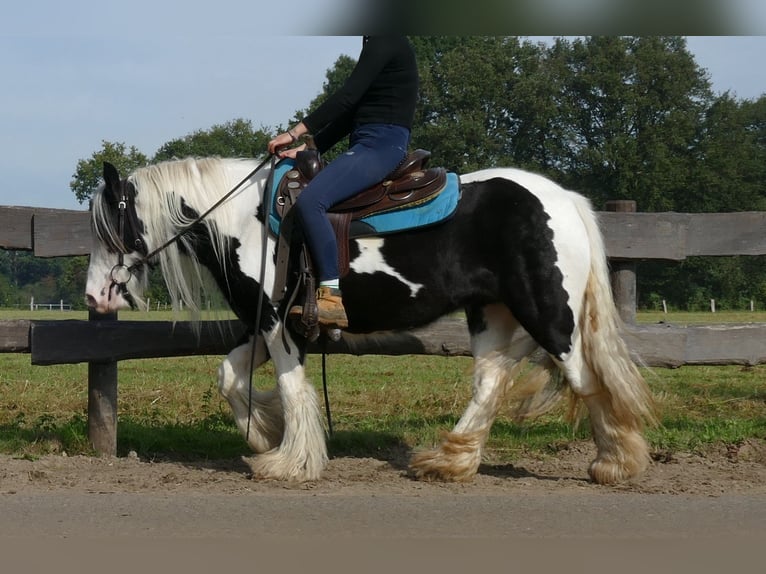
{"points": [[162, 192]]}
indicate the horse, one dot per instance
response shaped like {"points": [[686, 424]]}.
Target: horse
{"points": [[522, 257]]}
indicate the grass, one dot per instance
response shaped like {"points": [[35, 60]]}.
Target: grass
{"points": [[701, 317], [381, 406]]}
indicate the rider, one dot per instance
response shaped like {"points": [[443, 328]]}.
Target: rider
{"points": [[375, 107]]}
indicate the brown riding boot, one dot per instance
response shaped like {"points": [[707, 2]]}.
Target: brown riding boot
{"points": [[330, 306], [330, 311]]}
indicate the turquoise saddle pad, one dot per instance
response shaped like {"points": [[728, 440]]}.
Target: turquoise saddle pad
{"points": [[430, 212]]}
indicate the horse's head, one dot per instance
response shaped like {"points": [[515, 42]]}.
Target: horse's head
{"points": [[117, 274]]}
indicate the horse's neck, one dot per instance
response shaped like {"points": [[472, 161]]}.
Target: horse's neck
{"points": [[243, 205]]}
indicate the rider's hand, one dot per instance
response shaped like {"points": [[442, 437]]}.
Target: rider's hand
{"points": [[283, 140], [290, 152]]}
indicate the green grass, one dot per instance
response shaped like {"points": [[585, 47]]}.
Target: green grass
{"points": [[701, 317], [382, 406]]}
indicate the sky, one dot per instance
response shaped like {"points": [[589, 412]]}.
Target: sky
{"points": [[75, 73]]}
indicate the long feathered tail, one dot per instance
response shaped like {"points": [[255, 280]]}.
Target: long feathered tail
{"points": [[604, 347]]}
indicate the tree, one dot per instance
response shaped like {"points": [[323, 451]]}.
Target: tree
{"points": [[71, 279], [88, 175], [730, 158], [475, 95], [235, 138], [631, 107]]}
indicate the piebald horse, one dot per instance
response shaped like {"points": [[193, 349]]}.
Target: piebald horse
{"points": [[521, 256]]}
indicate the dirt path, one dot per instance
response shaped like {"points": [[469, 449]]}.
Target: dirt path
{"points": [[732, 470], [710, 506]]}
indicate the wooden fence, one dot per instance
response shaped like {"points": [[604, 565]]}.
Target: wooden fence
{"points": [[103, 341]]}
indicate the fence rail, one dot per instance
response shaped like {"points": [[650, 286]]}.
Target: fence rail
{"points": [[102, 341]]}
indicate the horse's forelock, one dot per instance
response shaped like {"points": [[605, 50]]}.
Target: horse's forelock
{"points": [[104, 220]]}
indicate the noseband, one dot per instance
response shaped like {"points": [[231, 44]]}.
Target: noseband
{"points": [[121, 273]]}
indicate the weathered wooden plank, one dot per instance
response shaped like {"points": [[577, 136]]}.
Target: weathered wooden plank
{"points": [[14, 336], [73, 341], [55, 342], [448, 336], [668, 235], [657, 345], [742, 233], [722, 344], [16, 227], [61, 232], [645, 235], [675, 236], [726, 344]]}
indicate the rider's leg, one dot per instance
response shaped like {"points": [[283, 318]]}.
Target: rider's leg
{"points": [[375, 151]]}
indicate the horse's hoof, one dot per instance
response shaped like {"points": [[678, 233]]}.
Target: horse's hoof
{"points": [[611, 472]]}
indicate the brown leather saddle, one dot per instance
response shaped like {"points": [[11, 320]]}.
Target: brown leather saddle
{"points": [[411, 183]]}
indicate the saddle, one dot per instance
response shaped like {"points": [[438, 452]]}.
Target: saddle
{"points": [[411, 183]]}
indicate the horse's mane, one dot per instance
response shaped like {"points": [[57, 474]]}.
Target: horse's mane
{"points": [[163, 192]]}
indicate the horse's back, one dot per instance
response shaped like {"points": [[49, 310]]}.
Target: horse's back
{"points": [[565, 211]]}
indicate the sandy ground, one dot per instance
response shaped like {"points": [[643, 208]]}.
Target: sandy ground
{"points": [[701, 512], [726, 470]]}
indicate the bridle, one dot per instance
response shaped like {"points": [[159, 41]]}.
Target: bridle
{"points": [[121, 274]]}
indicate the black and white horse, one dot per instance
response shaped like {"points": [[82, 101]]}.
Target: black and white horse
{"points": [[521, 256]]}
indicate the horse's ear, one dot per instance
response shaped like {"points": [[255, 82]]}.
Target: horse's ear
{"points": [[111, 178]]}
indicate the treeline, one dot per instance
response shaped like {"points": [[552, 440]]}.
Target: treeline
{"points": [[609, 117]]}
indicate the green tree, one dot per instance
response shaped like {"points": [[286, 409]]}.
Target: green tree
{"points": [[631, 106], [71, 281], [729, 159], [478, 99], [88, 174], [7, 292], [235, 138]]}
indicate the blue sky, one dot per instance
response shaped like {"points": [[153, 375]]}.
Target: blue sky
{"points": [[79, 72]]}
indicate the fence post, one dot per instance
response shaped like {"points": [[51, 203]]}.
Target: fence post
{"points": [[623, 271], [102, 400]]}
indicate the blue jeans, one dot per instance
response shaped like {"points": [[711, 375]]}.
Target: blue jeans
{"points": [[375, 151]]}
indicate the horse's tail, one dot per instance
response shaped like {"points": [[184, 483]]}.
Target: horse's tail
{"points": [[604, 348]]}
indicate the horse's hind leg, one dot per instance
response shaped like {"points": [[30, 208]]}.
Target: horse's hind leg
{"points": [[262, 426], [617, 426], [497, 344]]}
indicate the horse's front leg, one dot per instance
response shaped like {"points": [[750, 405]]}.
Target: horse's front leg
{"points": [[302, 452], [258, 415]]}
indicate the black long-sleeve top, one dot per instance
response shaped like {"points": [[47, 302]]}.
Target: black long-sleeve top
{"points": [[382, 88]]}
